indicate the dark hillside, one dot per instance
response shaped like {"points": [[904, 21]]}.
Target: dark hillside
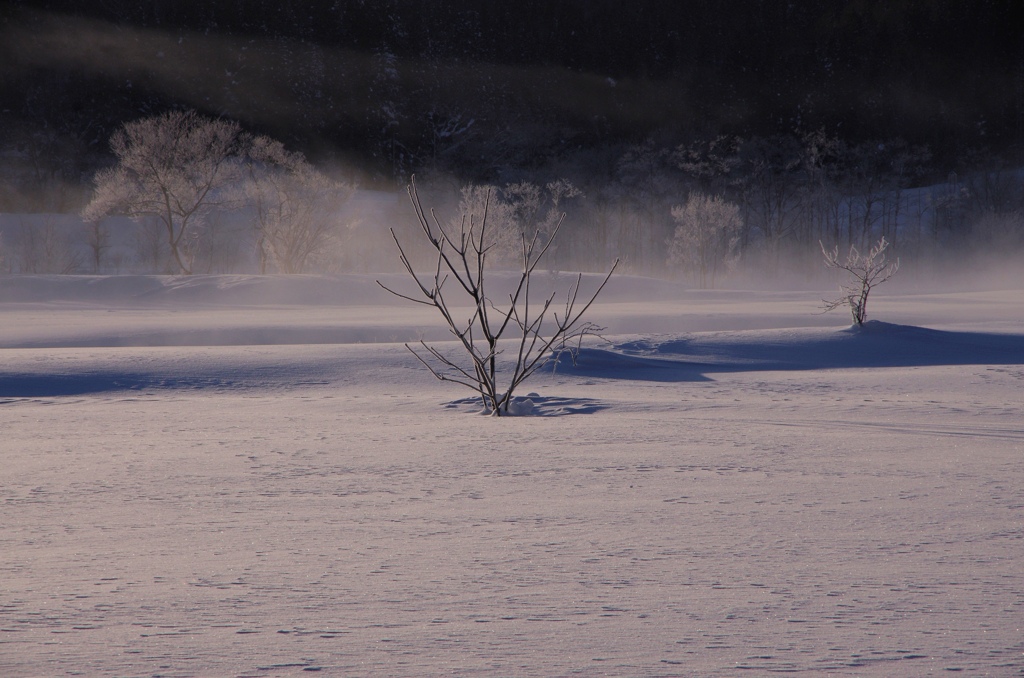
{"points": [[472, 87]]}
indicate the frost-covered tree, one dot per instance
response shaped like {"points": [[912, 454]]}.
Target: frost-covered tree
{"points": [[502, 232], [295, 206], [518, 210], [706, 236], [866, 271], [173, 168], [711, 163]]}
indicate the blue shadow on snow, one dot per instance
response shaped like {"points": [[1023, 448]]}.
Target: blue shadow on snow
{"points": [[874, 345]]}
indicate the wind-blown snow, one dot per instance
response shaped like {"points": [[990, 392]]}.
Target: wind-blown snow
{"points": [[250, 475]]}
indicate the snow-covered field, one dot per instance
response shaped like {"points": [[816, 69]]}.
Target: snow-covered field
{"points": [[234, 475]]}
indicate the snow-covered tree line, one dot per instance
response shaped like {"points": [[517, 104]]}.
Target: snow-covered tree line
{"points": [[703, 209], [209, 197]]}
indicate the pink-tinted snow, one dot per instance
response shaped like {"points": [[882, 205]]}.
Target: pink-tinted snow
{"points": [[251, 476]]}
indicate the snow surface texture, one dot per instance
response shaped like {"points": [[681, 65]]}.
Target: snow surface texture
{"points": [[235, 475]]}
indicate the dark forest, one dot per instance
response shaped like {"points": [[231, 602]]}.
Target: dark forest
{"points": [[478, 87], [816, 119]]}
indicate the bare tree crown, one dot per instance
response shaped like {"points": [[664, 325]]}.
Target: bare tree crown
{"points": [[535, 335], [295, 206]]}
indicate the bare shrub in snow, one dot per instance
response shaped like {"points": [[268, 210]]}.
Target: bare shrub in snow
{"points": [[866, 271], [295, 206], [706, 236], [174, 168], [536, 335]]}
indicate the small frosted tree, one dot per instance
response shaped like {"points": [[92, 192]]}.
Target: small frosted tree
{"points": [[535, 333], [866, 271], [706, 236], [173, 168], [518, 210], [295, 206]]}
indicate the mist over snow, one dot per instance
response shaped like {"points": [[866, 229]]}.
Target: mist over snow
{"points": [[218, 474], [219, 456]]}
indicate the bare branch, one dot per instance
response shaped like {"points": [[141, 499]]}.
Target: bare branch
{"points": [[465, 259]]}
